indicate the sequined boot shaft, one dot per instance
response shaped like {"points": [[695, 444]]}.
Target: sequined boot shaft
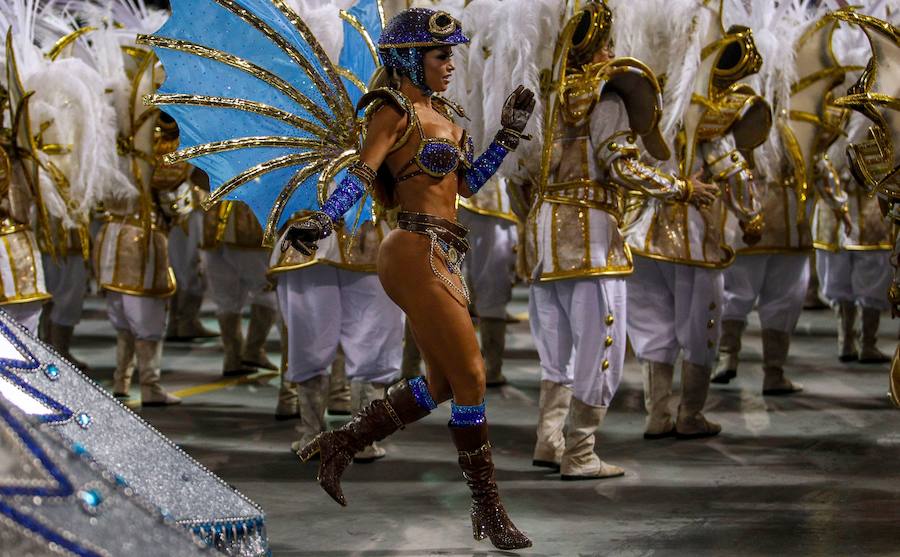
{"points": [[489, 518], [375, 422]]}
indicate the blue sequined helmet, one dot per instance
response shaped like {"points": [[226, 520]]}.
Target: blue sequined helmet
{"points": [[407, 35]]}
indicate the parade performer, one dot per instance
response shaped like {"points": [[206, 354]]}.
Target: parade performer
{"points": [[773, 273], [131, 249], [599, 107], [853, 265], [675, 293], [875, 162], [236, 263], [408, 154], [335, 309], [62, 155]]}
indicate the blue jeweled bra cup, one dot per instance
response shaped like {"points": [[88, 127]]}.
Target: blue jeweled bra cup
{"points": [[438, 158]]}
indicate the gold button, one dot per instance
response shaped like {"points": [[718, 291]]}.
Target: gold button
{"points": [[609, 341], [710, 344], [734, 157], [712, 306], [613, 146], [711, 324], [610, 320], [605, 365]]}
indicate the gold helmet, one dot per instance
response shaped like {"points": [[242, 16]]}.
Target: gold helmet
{"points": [[593, 32], [736, 58]]}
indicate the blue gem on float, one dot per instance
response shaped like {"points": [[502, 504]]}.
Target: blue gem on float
{"points": [[52, 372], [83, 420], [90, 500]]}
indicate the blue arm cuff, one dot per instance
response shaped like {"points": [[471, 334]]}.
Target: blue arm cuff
{"points": [[350, 190], [480, 171]]}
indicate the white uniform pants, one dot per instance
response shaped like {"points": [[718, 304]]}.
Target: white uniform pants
{"points": [[323, 307], [855, 276], [66, 279], [27, 314], [776, 283], [490, 263], [237, 277], [143, 316], [672, 308], [579, 328], [184, 255]]}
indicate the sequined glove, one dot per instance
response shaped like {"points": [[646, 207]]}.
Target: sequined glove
{"points": [[516, 111], [304, 235]]}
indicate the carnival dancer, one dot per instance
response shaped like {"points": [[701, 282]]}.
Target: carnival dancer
{"points": [[236, 264], [575, 250], [419, 264], [61, 162], [854, 266], [332, 300], [411, 155], [773, 273], [675, 293], [131, 249], [875, 161]]}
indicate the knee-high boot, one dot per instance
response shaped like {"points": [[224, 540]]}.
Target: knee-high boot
{"points": [[254, 353], [188, 324], [60, 337], [489, 518], [847, 334], [691, 423], [288, 406], [312, 397], [554, 407], [233, 345], [775, 351], [869, 352], [657, 395], [729, 348], [579, 461], [124, 364], [148, 354], [493, 342], [376, 421], [339, 399]]}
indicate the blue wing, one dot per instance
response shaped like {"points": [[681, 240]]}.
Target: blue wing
{"points": [[260, 107], [358, 61], [363, 24]]}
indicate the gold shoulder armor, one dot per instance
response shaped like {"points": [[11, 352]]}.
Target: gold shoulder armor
{"points": [[639, 89], [376, 98], [740, 112]]}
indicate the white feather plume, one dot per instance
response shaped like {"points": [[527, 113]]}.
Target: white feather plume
{"points": [[324, 20], [668, 36]]}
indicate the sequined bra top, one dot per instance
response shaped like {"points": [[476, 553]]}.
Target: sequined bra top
{"points": [[435, 156]]}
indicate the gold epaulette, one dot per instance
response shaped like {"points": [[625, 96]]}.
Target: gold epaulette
{"points": [[375, 99]]}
